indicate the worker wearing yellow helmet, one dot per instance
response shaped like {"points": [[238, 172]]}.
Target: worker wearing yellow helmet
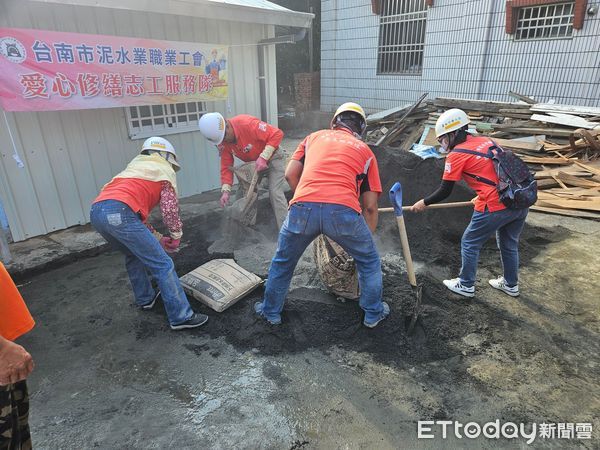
{"points": [[335, 179]]}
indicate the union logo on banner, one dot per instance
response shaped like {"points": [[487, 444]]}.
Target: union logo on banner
{"points": [[48, 71]]}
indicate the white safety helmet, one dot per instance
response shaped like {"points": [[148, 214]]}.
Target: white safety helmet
{"points": [[451, 120], [163, 147], [212, 127]]}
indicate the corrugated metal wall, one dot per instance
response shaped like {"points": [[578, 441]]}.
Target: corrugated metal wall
{"points": [[70, 155], [467, 54]]}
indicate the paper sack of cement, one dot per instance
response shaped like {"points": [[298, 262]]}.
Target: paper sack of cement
{"points": [[336, 268], [220, 283]]}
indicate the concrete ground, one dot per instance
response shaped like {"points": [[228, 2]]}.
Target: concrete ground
{"points": [[110, 376]]}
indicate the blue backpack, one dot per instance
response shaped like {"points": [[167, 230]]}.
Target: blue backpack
{"points": [[516, 186]]}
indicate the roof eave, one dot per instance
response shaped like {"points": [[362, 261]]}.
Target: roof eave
{"points": [[204, 9]]}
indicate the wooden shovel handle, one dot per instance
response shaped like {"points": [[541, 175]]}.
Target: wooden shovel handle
{"points": [[434, 206], [252, 186], [410, 270]]}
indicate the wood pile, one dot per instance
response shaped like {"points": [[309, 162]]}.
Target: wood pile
{"points": [[560, 143]]}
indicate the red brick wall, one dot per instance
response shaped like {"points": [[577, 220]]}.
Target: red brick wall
{"points": [[307, 90]]}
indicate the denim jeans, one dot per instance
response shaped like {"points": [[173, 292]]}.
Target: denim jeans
{"points": [[507, 224], [304, 222], [124, 230]]}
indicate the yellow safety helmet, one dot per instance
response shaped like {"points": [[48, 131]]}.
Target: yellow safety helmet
{"points": [[350, 107]]}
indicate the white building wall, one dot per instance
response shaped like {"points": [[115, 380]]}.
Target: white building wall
{"points": [[70, 155], [467, 54]]}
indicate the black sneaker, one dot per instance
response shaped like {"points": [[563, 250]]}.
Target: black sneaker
{"points": [[196, 320], [149, 306]]}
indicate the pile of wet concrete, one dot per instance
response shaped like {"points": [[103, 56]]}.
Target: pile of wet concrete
{"points": [[313, 318]]}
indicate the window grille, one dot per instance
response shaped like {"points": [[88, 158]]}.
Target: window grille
{"points": [[150, 120], [401, 37], [545, 22]]}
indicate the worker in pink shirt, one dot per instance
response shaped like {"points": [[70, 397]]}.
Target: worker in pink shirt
{"points": [[249, 139]]}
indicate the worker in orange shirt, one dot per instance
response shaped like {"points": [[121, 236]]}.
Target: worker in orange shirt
{"points": [[335, 179], [119, 214], [15, 366], [249, 139]]}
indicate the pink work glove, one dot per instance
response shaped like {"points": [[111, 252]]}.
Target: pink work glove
{"points": [[261, 164], [224, 199], [169, 244]]}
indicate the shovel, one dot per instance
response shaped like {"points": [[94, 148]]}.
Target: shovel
{"points": [[434, 206], [396, 200], [239, 209]]}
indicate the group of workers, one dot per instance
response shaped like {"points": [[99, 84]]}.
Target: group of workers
{"points": [[335, 182]]}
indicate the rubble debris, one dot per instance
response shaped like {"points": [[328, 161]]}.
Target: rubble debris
{"points": [[560, 143]]}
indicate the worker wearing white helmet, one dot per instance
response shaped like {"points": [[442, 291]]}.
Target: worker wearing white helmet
{"points": [[335, 179], [469, 160], [119, 214], [249, 139]]}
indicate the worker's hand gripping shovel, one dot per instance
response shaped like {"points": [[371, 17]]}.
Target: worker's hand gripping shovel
{"points": [[396, 200]]}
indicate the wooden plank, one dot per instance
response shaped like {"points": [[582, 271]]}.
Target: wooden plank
{"points": [[573, 180], [569, 109], [588, 168], [515, 144], [522, 97], [570, 170], [566, 120], [570, 192], [563, 132], [382, 115], [547, 160], [477, 105], [387, 138], [564, 212], [546, 183], [588, 205]]}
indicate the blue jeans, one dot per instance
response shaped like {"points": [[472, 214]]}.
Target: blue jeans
{"points": [[304, 222], [124, 230], [507, 224]]}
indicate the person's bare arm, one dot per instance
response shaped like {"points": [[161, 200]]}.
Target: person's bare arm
{"points": [[369, 209], [293, 172], [15, 362]]}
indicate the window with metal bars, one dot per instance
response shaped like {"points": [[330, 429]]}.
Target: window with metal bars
{"points": [[553, 21], [151, 120], [401, 37]]}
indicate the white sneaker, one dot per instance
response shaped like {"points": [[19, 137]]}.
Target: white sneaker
{"points": [[455, 286], [500, 284]]}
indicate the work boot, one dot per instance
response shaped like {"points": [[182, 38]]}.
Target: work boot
{"points": [[500, 284], [196, 320], [456, 286], [149, 306], [258, 309], [383, 315]]}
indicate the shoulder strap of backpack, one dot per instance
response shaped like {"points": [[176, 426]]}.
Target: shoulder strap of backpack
{"points": [[484, 155]]}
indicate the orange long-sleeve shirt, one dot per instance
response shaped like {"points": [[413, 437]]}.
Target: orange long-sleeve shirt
{"points": [[252, 136]]}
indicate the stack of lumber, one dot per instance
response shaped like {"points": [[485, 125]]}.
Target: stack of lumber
{"points": [[398, 127], [560, 143]]}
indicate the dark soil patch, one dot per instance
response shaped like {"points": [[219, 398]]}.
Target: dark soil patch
{"points": [[434, 239]]}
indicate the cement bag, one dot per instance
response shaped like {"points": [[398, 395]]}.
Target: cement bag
{"points": [[220, 283], [336, 268], [244, 173]]}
